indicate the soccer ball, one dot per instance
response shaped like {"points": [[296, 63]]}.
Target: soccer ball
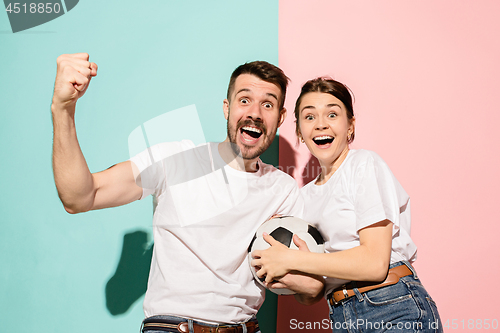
{"points": [[282, 229]]}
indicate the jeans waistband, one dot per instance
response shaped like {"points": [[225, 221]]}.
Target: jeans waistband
{"points": [[396, 271]]}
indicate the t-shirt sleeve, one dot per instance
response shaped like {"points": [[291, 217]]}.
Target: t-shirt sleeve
{"points": [[148, 164], [293, 204], [377, 194], [152, 165]]}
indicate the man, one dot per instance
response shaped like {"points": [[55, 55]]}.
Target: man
{"points": [[209, 200]]}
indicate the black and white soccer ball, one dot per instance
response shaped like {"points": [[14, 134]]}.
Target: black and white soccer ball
{"points": [[282, 229]]}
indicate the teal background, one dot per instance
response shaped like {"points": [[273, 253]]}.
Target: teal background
{"points": [[153, 57]]}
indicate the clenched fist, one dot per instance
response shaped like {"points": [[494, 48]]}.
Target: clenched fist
{"points": [[74, 72]]}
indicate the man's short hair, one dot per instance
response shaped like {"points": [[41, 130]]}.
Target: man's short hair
{"points": [[264, 71]]}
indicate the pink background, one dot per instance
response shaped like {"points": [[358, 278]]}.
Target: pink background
{"points": [[426, 79]]}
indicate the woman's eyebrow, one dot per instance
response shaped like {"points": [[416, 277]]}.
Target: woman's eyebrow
{"points": [[334, 104], [308, 107]]}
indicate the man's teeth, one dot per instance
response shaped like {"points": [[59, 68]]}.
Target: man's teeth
{"points": [[252, 129]]}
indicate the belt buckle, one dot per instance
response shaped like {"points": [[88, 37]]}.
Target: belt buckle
{"points": [[344, 291]]}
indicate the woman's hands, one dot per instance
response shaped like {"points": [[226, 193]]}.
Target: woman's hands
{"points": [[277, 265], [278, 260]]}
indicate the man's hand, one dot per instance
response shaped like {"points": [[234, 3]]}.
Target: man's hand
{"points": [[74, 72], [309, 288]]}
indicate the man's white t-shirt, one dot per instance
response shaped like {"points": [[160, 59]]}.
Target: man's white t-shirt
{"points": [[206, 214], [362, 192]]}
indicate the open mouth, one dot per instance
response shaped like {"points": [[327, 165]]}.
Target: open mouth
{"points": [[251, 133], [323, 140]]}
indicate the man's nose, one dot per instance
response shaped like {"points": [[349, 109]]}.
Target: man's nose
{"points": [[255, 112]]}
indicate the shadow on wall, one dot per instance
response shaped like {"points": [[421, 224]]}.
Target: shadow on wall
{"points": [[311, 170], [288, 163], [130, 280]]}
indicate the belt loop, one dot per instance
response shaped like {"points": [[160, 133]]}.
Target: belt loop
{"points": [[190, 326], [356, 292], [330, 302], [410, 267], [244, 327]]}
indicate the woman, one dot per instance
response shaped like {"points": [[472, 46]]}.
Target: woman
{"points": [[364, 215]]}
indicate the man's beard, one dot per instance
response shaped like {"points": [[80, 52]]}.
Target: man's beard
{"points": [[246, 151]]}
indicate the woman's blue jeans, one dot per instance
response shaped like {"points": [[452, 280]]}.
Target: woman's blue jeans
{"points": [[403, 307]]}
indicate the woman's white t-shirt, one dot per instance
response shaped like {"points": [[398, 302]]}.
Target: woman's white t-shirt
{"points": [[362, 192]]}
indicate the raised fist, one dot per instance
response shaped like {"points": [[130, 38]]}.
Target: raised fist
{"points": [[74, 72]]}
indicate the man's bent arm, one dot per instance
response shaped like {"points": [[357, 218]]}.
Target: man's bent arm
{"points": [[78, 189], [73, 179]]}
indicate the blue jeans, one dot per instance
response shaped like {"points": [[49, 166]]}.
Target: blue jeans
{"points": [[403, 307], [190, 322]]}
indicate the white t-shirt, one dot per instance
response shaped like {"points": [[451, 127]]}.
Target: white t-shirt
{"points": [[206, 214], [362, 191]]}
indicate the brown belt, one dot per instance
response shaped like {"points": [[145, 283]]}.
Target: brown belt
{"points": [[183, 327], [347, 290]]}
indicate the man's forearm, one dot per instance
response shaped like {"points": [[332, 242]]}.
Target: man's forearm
{"points": [[310, 298], [308, 288], [73, 179]]}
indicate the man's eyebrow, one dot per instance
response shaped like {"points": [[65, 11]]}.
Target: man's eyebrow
{"points": [[272, 95], [248, 90], [242, 90]]}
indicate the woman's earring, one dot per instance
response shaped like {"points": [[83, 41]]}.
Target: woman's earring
{"points": [[302, 140]]}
